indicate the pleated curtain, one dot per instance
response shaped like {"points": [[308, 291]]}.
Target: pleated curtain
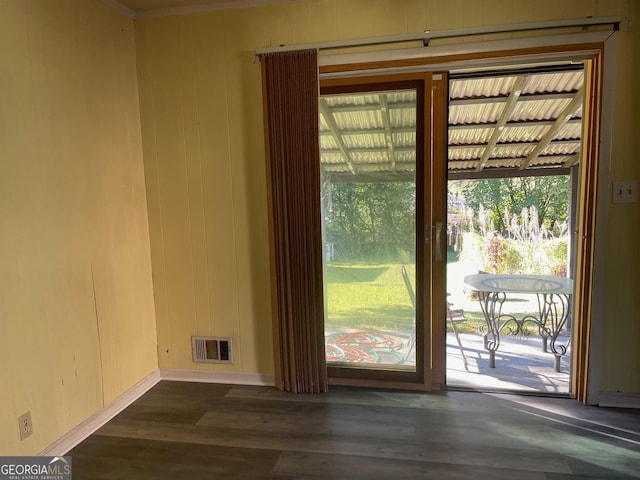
{"points": [[290, 91]]}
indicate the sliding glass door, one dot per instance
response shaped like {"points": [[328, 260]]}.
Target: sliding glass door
{"points": [[369, 203], [374, 199]]}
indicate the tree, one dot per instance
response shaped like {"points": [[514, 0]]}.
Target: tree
{"points": [[508, 196], [370, 220]]}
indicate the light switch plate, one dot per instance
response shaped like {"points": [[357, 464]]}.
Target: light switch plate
{"points": [[625, 191]]}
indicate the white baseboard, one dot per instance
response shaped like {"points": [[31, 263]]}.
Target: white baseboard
{"points": [[97, 420], [217, 377], [619, 400]]}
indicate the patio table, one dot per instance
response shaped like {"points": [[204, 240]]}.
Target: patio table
{"points": [[554, 304]]}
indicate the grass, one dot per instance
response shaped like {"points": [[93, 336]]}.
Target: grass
{"points": [[475, 321], [368, 297], [374, 297]]}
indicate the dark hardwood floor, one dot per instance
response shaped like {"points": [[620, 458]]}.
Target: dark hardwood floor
{"points": [[205, 431]]}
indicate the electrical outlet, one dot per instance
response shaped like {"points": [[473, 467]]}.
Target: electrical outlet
{"points": [[26, 427]]}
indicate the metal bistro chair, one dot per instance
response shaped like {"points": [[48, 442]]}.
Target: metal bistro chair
{"points": [[454, 316]]}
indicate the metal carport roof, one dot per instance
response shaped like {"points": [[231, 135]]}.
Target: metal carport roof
{"points": [[499, 124]]}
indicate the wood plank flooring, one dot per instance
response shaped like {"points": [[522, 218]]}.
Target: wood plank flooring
{"points": [[206, 431]]}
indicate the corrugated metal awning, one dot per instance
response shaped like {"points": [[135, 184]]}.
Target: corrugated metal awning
{"points": [[529, 120]]}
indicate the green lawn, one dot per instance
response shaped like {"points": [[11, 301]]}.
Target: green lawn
{"points": [[374, 297], [362, 296]]}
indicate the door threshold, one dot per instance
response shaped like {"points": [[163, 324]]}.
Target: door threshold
{"points": [[506, 391]]}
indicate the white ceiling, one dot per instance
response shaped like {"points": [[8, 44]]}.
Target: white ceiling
{"points": [[147, 8]]}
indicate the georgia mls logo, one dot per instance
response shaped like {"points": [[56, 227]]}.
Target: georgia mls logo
{"points": [[35, 468], [60, 466]]}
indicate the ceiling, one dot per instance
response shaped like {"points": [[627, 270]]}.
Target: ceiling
{"points": [[499, 124], [143, 8]]}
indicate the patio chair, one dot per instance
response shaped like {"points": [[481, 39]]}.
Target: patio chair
{"points": [[454, 316]]}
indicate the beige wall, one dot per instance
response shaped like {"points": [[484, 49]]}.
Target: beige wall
{"points": [[204, 160], [621, 334], [77, 325]]}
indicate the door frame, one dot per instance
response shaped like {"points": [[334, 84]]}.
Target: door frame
{"points": [[589, 47]]}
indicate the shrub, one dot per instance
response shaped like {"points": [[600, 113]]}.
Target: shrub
{"points": [[556, 254], [496, 254], [508, 256]]}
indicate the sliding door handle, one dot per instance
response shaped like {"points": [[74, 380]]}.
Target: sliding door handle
{"points": [[438, 234]]}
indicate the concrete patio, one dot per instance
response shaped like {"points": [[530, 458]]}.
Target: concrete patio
{"points": [[521, 365]]}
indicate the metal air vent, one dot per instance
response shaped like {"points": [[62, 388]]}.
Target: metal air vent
{"points": [[211, 350]]}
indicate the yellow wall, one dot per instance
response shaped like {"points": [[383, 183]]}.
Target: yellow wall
{"points": [[621, 335], [204, 161], [203, 149], [77, 325]]}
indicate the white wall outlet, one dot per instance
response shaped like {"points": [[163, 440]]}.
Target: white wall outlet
{"points": [[26, 427], [625, 192]]}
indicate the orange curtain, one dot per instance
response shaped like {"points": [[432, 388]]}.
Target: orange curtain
{"points": [[290, 93]]}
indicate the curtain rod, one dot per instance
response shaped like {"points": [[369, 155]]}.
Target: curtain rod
{"points": [[428, 35]]}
